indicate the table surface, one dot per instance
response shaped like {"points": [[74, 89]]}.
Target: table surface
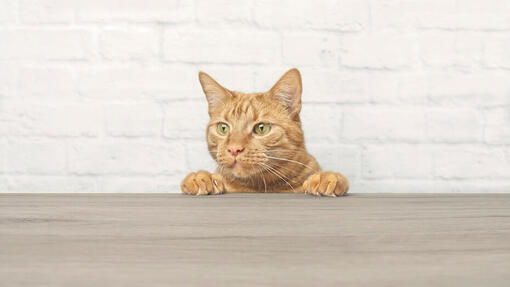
{"points": [[254, 240]]}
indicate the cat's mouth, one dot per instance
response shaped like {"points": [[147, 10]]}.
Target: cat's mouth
{"points": [[239, 167]]}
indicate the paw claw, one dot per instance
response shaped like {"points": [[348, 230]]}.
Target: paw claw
{"points": [[202, 183], [326, 184]]}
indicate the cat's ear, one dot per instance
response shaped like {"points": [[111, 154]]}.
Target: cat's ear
{"points": [[288, 91], [216, 94]]}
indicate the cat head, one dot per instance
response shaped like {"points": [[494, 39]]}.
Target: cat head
{"points": [[248, 133]]}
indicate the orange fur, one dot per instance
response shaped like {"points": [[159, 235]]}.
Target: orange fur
{"points": [[249, 162]]}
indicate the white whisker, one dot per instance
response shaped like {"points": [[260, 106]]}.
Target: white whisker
{"points": [[261, 172], [273, 171], [289, 160], [279, 167]]}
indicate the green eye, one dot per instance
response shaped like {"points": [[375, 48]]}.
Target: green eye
{"points": [[223, 128], [262, 129]]}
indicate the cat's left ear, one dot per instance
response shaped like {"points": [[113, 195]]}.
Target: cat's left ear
{"points": [[216, 94], [288, 91]]}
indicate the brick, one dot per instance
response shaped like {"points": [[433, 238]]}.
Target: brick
{"points": [[397, 161], [46, 11], [391, 186], [8, 77], [61, 11], [37, 157], [125, 157], [309, 49], [477, 186], [345, 15], [208, 45], [170, 184], [3, 183], [198, 157], [224, 11], [129, 44], [8, 11], [240, 79], [321, 123], [34, 119], [173, 11], [431, 186], [146, 82], [265, 77], [321, 85], [46, 44], [469, 21], [49, 184], [326, 85], [3, 155], [136, 119], [388, 123], [476, 89], [473, 15], [55, 83], [454, 125], [342, 158], [441, 14], [402, 186], [461, 50], [409, 13], [497, 129], [140, 184], [445, 88], [400, 96], [497, 52], [398, 88], [126, 184], [394, 50], [185, 119], [467, 161]]}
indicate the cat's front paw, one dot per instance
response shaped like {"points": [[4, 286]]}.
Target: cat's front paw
{"points": [[326, 183], [202, 183]]}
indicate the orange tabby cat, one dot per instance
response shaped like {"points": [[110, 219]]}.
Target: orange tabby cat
{"points": [[258, 143]]}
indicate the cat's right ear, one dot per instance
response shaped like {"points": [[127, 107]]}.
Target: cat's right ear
{"points": [[216, 94]]}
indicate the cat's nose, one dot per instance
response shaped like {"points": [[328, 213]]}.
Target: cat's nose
{"points": [[235, 149]]}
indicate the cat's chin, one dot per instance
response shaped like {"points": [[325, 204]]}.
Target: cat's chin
{"points": [[241, 170]]}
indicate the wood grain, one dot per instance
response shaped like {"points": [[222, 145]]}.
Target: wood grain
{"points": [[254, 240]]}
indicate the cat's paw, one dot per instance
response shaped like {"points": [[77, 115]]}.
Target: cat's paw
{"points": [[202, 183], [326, 183]]}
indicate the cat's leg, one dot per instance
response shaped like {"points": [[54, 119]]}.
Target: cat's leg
{"points": [[326, 183], [202, 183]]}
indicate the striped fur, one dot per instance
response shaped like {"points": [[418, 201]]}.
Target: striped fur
{"points": [[274, 162]]}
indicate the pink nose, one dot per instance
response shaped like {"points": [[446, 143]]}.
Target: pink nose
{"points": [[235, 149]]}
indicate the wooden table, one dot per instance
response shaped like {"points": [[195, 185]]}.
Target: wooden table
{"points": [[254, 240]]}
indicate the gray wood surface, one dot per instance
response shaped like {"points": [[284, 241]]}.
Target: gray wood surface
{"points": [[254, 240]]}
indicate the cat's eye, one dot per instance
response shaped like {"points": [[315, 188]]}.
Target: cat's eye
{"points": [[262, 129], [223, 129]]}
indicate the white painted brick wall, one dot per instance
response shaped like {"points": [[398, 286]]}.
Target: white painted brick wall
{"points": [[401, 96]]}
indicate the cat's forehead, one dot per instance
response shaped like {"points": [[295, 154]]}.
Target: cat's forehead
{"points": [[242, 106], [247, 107], [243, 96]]}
